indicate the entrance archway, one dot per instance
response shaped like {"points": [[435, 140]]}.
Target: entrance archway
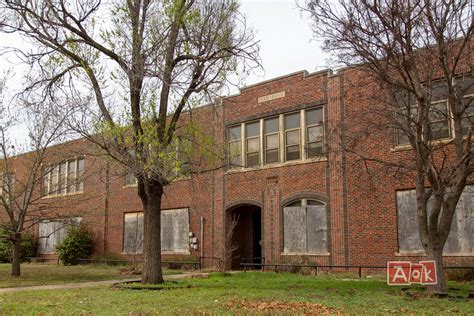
{"points": [[244, 235]]}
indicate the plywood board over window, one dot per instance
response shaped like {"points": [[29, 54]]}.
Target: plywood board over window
{"points": [[305, 228], [460, 240], [52, 233], [174, 232]]}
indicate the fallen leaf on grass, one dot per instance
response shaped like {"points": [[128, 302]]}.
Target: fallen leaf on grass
{"points": [[276, 306]]}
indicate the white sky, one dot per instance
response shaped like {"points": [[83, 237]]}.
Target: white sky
{"points": [[286, 40], [286, 43]]}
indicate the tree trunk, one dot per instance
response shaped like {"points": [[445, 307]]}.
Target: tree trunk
{"points": [[152, 273], [436, 253], [16, 255]]}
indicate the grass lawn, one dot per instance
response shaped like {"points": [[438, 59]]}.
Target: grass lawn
{"points": [[242, 293], [42, 274]]}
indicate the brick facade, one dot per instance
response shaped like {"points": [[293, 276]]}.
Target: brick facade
{"points": [[361, 213]]}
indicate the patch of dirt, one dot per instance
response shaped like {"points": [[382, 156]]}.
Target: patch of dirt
{"points": [[304, 308]]}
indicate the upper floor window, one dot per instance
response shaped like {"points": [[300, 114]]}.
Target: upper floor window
{"points": [[439, 121], [287, 137], [468, 115], [252, 149], [7, 181], [64, 178], [272, 140], [440, 124], [130, 179], [292, 136], [235, 146], [314, 132]]}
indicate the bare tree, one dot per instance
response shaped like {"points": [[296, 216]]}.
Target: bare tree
{"points": [[230, 246], [21, 179], [144, 66], [417, 52]]}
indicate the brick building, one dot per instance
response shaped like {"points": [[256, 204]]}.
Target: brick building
{"points": [[291, 192]]}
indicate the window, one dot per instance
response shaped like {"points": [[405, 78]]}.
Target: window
{"points": [[277, 139], [468, 116], [252, 149], [235, 146], [460, 239], [314, 133], [439, 121], [183, 156], [64, 178], [292, 137], [133, 233], [174, 231], [52, 233], [130, 179], [272, 140], [305, 227], [7, 182]]}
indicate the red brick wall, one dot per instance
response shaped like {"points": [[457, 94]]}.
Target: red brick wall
{"points": [[362, 219]]}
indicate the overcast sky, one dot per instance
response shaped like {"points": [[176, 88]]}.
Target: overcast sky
{"points": [[283, 31], [286, 41]]}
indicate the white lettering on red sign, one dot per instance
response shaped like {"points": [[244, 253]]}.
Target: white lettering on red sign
{"points": [[429, 275], [398, 272], [406, 273]]}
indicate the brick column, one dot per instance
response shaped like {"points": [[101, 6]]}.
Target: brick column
{"points": [[338, 209]]}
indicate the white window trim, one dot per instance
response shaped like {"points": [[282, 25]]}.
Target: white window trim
{"points": [[452, 132], [50, 169], [282, 142]]}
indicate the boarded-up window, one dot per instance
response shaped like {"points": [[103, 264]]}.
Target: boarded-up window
{"points": [[305, 229], [174, 232], [52, 233], [460, 239], [133, 233]]}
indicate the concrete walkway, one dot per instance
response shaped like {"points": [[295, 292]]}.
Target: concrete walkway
{"points": [[92, 284]]}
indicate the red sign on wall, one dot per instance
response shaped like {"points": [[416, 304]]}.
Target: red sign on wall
{"points": [[406, 273]]}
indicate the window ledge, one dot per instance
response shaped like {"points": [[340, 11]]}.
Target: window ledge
{"points": [[163, 253], [130, 186], [277, 165], [423, 254], [410, 254], [325, 254], [54, 196], [443, 141]]}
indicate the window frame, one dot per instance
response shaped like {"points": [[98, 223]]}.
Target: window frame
{"points": [[285, 139], [308, 126], [49, 173], [250, 138], [282, 144], [303, 202], [448, 121], [266, 135], [238, 141], [470, 117]]}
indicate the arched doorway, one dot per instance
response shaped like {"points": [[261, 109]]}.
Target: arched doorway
{"points": [[243, 235]]}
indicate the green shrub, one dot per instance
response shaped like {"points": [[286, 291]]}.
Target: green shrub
{"points": [[29, 246], [76, 245]]}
